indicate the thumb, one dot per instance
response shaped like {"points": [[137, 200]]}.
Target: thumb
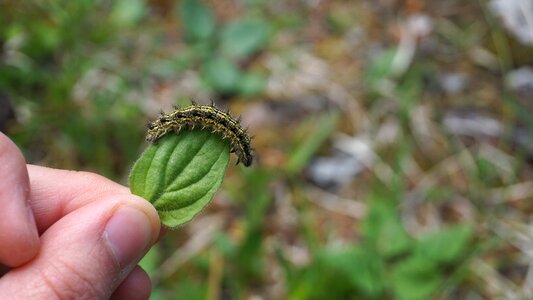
{"points": [[87, 253]]}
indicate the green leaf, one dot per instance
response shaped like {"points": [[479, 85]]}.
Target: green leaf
{"points": [[198, 21], [364, 269], [251, 84], [447, 245], [383, 228], [392, 238], [221, 74], [180, 174], [127, 12], [350, 272], [244, 37], [415, 278]]}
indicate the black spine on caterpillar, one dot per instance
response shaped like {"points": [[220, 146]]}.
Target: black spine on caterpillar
{"points": [[207, 117]]}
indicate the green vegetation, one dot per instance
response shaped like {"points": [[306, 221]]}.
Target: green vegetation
{"points": [[393, 153], [217, 52]]}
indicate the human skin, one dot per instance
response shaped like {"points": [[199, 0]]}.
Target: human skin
{"points": [[69, 234]]}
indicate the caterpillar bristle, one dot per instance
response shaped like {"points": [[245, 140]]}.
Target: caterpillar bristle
{"points": [[205, 117]]}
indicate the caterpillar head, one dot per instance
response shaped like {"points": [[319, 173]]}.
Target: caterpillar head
{"points": [[156, 129]]}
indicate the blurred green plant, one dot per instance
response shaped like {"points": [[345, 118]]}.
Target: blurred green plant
{"points": [[387, 262], [224, 51], [49, 49], [60, 66]]}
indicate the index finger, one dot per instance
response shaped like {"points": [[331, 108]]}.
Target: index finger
{"points": [[18, 233], [55, 192]]}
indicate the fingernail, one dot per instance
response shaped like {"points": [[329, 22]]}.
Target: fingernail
{"points": [[128, 234]]}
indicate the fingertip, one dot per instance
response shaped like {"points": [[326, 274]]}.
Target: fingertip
{"points": [[128, 235], [131, 230], [18, 232], [150, 212]]}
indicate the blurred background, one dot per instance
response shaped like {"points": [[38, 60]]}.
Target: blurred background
{"points": [[393, 138]]}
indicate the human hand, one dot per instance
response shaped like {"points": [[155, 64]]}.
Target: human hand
{"points": [[70, 235]]}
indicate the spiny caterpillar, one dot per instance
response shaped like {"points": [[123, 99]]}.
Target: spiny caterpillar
{"points": [[206, 116]]}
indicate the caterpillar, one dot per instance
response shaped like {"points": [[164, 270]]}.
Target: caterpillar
{"points": [[206, 116]]}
